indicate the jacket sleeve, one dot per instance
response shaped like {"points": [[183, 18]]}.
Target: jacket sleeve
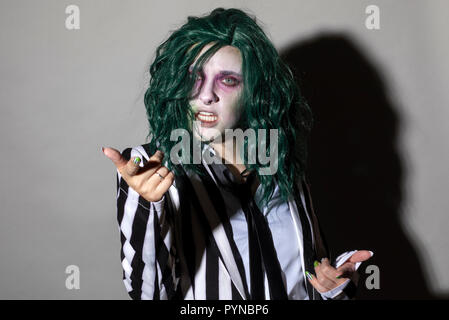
{"points": [[147, 243]]}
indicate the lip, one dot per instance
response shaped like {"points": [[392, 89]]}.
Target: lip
{"points": [[206, 124], [198, 110]]}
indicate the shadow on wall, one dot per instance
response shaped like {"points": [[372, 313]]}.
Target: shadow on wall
{"points": [[355, 170]]}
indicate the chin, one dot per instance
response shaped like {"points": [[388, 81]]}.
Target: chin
{"points": [[208, 135], [206, 138]]}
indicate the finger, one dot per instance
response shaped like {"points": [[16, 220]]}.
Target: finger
{"points": [[166, 183], [315, 283], [328, 276], [115, 156], [326, 281], [327, 269], [153, 164], [157, 157], [161, 177], [346, 270], [133, 166], [360, 256], [157, 177]]}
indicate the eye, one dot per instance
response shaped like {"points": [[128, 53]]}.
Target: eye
{"points": [[230, 81]]}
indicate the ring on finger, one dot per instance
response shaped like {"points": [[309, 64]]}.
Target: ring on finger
{"points": [[160, 176]]}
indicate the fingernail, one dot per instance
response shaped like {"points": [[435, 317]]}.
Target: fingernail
{"points": [[338, 277], [102, 149], [309, 275], [372, 253], [137, 160], [316, 264]]}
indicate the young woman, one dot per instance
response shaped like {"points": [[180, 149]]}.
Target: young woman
{"points": [[226, 226]]}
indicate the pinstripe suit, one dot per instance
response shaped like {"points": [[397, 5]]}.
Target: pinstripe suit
{"points": [[181, 247]]}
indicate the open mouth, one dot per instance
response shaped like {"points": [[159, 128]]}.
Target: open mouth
{"points": [[208, 119]]}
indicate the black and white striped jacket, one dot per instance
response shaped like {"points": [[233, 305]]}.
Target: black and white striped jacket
{"points": [[181, 247]]}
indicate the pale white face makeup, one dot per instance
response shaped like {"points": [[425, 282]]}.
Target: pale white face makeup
{"points": [[217, 91]]}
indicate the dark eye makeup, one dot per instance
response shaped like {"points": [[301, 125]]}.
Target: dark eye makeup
{"points": [[226, 78]]}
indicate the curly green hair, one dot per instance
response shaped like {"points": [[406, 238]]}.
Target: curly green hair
{"points": [[270, 96]]}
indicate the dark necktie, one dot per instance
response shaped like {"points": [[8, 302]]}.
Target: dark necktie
{"points": [[262, 253]]}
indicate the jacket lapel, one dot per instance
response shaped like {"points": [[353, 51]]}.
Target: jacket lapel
{"points": [[180, 205], [219, 234], [306, 238]]}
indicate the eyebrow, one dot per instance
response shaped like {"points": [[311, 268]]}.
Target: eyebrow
{"points": [[223, 72], [230, 73]]}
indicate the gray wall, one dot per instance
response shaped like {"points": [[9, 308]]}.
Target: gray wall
{"points": [[64, 94]]}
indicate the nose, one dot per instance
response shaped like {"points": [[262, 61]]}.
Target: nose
{"points": [[207, 94]]}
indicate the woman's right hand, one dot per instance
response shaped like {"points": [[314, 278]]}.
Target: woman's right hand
{"points": [[150, 181]]}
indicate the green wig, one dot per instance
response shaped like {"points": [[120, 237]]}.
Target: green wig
{"points": [[270, 96]]}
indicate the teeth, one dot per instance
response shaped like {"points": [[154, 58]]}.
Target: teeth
{"points": [[207, 116], [202, 118]]}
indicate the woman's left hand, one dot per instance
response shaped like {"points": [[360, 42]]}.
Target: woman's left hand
{"points": [[327, 277]]}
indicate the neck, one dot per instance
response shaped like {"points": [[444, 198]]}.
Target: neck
{"points": [[230, 155]]}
